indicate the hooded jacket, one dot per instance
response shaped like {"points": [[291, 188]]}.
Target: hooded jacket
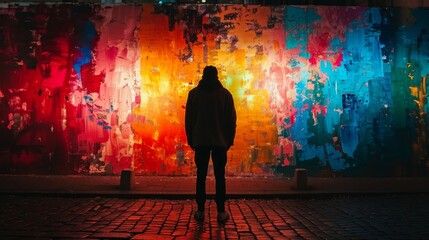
{"points": [[210, 119]]}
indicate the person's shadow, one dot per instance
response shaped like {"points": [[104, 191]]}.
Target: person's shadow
{"points": [[201, 230]]}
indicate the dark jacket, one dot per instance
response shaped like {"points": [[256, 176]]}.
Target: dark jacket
{"points": [[210, 119]]}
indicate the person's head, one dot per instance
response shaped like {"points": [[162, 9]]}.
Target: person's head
{"points": [[210, 73]]}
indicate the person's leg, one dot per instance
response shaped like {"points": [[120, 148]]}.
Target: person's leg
{"points": [[219, 158], [202, 157]]}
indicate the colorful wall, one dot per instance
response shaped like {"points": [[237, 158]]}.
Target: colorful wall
{"points": [[101, 88]]}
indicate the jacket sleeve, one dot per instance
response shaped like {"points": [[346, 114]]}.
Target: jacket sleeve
{"points": [[231, 120], [189, 119]]}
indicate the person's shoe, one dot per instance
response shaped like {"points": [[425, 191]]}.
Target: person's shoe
{"points": [[199, 216], [222, 217]]}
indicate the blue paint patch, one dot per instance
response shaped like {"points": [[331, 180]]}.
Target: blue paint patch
{"points": [[349, 139], [333, 100], [297, 23], [299, 129], [350, 120], [85, 43], [311, 152], [88, 99], [335, 158], [336, 44]]}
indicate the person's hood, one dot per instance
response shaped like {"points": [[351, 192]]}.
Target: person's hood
{"points": [[209, 84]]}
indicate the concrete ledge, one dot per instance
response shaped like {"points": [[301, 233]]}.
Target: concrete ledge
{"points": [[184, 187]]}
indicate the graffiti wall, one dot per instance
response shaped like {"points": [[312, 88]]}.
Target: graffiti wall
{"points": [[101, 88]]}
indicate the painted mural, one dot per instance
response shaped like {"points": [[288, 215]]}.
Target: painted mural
{"points": [[95, 89]]}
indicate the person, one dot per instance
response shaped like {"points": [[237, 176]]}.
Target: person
{"points": [[210, 122]]}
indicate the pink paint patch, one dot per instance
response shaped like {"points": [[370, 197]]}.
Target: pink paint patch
{"points": [[305, 107], [318, 45], [318, 109], [286, 147], [312, 60], [339, 59], [324, 110], [293, 118], [286, 162]]}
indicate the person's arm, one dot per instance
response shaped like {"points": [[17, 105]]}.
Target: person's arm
{"points": [[231, 121], [189, 120]]}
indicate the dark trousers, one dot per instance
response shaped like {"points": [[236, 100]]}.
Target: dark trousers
{"points": [[202, 157]]}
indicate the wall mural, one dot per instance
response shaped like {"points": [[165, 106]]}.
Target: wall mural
{"points": [[101, 88]]}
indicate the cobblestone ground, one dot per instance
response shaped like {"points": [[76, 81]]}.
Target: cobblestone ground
{"points": [[376, 217]]}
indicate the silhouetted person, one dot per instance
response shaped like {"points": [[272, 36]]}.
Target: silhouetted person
{"points": [[210, 124]]}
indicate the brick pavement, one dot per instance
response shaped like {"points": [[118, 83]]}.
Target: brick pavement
{"points": [[363, 217]]}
